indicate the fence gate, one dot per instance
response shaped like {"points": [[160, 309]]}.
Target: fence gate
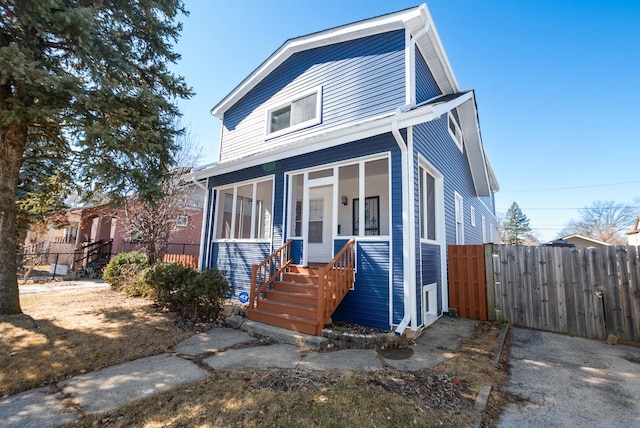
{"points": [[467, 281]]}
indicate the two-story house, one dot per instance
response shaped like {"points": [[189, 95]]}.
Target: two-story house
{"points": [[349, 160]]}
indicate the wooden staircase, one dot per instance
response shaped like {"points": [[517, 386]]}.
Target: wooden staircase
{"points": [[299, 298], [292, 303]]}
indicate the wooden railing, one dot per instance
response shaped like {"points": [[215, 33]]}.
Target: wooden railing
{"points": [[264, 274], [91, 252], [334, 282]]}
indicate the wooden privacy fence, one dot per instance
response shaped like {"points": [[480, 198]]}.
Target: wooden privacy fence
{"points": [[467, 281], [589, 292], [182, 259]]}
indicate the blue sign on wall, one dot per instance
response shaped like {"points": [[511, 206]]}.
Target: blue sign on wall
{"points": [[243, 297]]}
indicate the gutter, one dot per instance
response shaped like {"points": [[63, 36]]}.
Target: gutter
{"points": [[408, 200]]}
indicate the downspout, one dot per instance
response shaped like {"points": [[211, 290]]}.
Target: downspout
{"points": [[406, 255], [408, 218], [205, 214]]}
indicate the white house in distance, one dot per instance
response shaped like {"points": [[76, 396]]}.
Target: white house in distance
{"points": [[349, 160], [633, 235]]}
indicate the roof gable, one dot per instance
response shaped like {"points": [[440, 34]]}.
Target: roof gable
{"points": [[416, 20]]}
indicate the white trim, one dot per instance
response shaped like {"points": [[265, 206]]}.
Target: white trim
{"points": [[390, 287], [316, 120], [472, 213], [412, 226], [441, 228]]}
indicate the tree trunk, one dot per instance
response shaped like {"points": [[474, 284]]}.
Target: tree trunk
{"points": [[12, 144]]}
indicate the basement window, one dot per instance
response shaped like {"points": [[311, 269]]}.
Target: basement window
{"points": [[299, 113]]}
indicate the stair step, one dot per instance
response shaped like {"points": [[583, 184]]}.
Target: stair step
{"points": [[290, 322], [305, 270], [300, 278], [287, 308], [309, 299], [294, 287]]}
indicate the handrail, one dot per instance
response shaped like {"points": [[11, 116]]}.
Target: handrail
{"points": [[94, 251], [265, 273], [334, 282]]}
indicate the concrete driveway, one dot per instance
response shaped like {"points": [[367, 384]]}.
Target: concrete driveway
{"points": [[560, 381]]}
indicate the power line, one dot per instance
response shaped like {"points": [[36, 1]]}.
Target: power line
{"points": [[568, 209], [591, 186]]}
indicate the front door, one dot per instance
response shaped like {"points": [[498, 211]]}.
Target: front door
{"points": [[320, 227]]}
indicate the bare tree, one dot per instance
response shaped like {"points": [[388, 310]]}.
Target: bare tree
{"points": [[604, 220], [151, 221]]}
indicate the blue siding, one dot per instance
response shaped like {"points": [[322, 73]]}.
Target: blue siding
{"points": [[434, 142], [430, 274], [426, 86], [378, 144], [236, 259], [368, 303], [360, 78], [296, 251]]}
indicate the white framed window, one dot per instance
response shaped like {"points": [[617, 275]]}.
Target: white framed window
{"points": [[300, 112], [238, 217], [455, 131], [459, 216], [427, 184], [484, 230], [490, 232], [429, 303], [182, 221], [473, 216]]}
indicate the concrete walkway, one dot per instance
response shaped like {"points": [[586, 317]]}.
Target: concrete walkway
{"points": [[562, 381], [219, 349], [49, 286]]}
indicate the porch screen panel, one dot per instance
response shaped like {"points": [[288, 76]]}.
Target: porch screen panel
{"points": [[377, 197], [348, 188], [224, 214], [244, 209], [264, 208]]}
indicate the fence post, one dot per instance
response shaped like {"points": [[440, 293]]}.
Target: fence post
{"points": [[55, 267], [490, 280]]}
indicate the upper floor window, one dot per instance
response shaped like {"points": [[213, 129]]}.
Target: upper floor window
{"points": [[299, 113], [455, 130]]}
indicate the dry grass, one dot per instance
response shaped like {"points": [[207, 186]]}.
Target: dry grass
{"points": [[444, 396], [68, 332]]}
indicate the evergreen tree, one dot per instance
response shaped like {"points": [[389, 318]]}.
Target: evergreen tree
{"points": [[516, 226], [87, 84]]}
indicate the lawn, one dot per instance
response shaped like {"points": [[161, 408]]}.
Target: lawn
{"points": [[70, 332]]}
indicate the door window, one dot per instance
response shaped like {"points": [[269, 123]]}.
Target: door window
{"points": [[316, 214]]}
